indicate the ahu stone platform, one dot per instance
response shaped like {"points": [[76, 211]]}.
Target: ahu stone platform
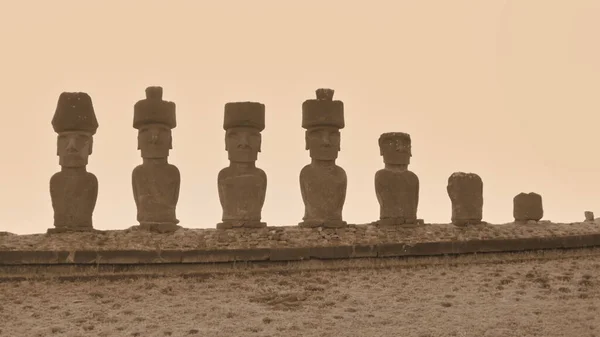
{"points": [[288, 243]]}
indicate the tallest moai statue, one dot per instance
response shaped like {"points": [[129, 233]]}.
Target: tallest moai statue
{"points": [[322, 182], [155, 182], [74, 190]]}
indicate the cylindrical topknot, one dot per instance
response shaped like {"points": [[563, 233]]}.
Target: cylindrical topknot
{"points": [[74, 112], [154, 93], [323, 111], [153, 110], [244, 114], [325, 94], [395, 135]]}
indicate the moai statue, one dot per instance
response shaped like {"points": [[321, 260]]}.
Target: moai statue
{"points": [[155, 182], [396, 187], [527, 207], [589, 216], [466, 194], [322, 182], [73, 190], [242, 186]]}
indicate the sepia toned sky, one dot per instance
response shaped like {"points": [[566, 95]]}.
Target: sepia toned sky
{"points": [[508, 89]]}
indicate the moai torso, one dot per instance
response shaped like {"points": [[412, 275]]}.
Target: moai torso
{"points": [[466, 195], [73, 190], [155, 182], [323, 191], [323, 183], [242, 194], [156, 192], [396, 187], [74, 194], [242, 186], [398, 196], [527, 207]]}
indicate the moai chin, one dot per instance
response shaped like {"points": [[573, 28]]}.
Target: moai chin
{"points": [[466, 194], [73, 190], [242, 186], [155, 182], [527, 207], [396, 187], [323, 183]]}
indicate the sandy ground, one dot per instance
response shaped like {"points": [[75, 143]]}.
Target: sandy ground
{"points": [[286, 236], [423, 297]]}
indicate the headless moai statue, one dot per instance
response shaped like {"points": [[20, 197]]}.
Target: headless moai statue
{"points": [[466, 194], [589, 216], [528, 207], [242, 185], [323, 183], [73, 190], [155, 182], [396, 187]]}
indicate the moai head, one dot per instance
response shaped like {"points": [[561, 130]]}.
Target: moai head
{"points": [[154, 119], [243, 123], [395, 147], [323, 118], [75, 122]]}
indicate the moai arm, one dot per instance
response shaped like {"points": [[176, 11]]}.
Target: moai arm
{"points": [[263, 188], [378, 187], [134, 186], [177, 182], [418, 188], [93, 192], [342, 199], [221, 187]]}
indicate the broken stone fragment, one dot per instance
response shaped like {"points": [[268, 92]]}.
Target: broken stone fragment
{"points": [[466, 195], [589, 216], [527, 206]]}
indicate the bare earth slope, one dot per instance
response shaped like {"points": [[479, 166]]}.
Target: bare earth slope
{"points": [[422, 297]]}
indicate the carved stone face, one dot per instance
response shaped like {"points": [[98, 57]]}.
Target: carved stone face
{"points": [[395, 150], [323, 142], [155, 141], [242, 144], [73, 148]]}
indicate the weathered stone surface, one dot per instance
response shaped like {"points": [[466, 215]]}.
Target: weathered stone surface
{"points": [[322, 183], [396, 187], [528, 206], [589, 216], [242, 186], [73, 190], [466, 194], [155, 182], [210, 239]]}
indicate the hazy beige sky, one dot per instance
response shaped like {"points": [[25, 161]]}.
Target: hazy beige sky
{"points": [[506, 89]]}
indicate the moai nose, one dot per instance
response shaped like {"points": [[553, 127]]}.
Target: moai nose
{"points": [[154, 138], [71, 148]]}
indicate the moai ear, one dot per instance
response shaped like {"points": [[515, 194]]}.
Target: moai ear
{"points": [[91, 144], [226, 147], [306, 140], [170, 140], [259, 141]]}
